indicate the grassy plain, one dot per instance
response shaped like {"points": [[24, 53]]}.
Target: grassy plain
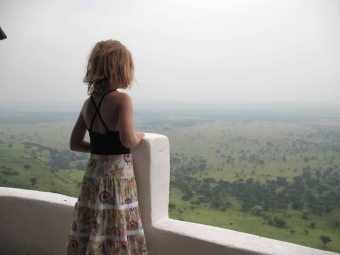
{"points": [[217, 140], [237, 220], [212, 138]]}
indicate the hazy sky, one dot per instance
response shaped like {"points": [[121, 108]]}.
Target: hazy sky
{"points": [[186, 51]]}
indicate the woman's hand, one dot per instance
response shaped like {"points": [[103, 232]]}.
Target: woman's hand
{"points": [[139, 136]]}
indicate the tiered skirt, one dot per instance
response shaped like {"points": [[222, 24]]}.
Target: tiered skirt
{"points": [[106, 218]]}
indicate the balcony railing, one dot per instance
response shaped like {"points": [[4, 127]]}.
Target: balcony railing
{"points": [[38, 223]]}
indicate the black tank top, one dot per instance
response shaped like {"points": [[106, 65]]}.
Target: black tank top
{"points": [[108, 143]]}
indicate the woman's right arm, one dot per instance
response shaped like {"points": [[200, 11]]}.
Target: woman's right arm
{"points": [[128, 137], [77, 142]]}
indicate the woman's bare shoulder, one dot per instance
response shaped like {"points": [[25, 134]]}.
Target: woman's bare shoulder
{"points": [[123, 94], [121, 97], [86, 103]]}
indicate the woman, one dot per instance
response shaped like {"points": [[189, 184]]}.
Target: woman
{"points": [[107, 218]]}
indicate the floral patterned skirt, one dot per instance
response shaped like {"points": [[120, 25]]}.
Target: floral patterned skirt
{"points": [[106, 217]]}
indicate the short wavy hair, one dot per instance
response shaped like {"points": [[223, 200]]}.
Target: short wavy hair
{"points": [[110, 63]]}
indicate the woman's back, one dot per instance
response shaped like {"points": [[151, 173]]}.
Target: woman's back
{"points": [[106, 111], [107, 106], [104, 130]]}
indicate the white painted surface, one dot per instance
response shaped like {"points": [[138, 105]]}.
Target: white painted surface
{"points": [[38, 223], [34, 223]]}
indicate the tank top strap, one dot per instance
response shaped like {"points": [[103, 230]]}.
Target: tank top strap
{"points": [[97, 110]]}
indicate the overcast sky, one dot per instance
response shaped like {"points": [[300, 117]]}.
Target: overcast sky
{"points": [[186, 52]]}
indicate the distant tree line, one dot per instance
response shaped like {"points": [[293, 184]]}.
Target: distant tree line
{"points": [[60, 159], [316, 193]]}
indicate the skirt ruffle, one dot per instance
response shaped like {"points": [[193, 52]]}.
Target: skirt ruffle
{"points": [[106, 218]]}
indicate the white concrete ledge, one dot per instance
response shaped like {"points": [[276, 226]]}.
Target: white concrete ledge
{"points": [[33, 222], [38, 223], [191, 238]]}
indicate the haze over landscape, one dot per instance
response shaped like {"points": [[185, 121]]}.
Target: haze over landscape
{"points": [[187, 53]]}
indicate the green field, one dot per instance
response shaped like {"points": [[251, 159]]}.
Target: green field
{"points": [[271, 175]]}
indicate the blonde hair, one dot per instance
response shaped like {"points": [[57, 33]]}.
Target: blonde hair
{"points": [[110, 63]]}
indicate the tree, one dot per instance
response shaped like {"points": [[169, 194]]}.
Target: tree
{"points": [[305, 214], [185, 198], [279, 222], [27, 167], [318, 173], [172, 206], [33, 180], [337, 223], [257, 209], [325, 240], [297, 205]]}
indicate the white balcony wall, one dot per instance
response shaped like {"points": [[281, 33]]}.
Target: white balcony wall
{"points": [[38, 223]]}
